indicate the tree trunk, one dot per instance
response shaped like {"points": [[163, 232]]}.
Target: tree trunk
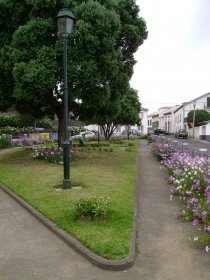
{"points": [[108, 130]]}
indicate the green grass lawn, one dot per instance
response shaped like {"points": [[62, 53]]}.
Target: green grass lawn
{"points": [[111, 174]]}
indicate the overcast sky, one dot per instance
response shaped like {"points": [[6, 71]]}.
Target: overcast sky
{"points": [[174, 62]]}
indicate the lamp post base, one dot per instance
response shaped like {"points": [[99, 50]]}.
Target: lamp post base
{"points": [[66, 184]]}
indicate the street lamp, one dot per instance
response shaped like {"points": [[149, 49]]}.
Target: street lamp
{"points": [[65, 21]]}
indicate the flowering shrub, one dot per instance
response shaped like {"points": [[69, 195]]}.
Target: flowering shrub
{"points": [[92, 207], [53, 154], [190, 181], [161, 150], [27, 141]]}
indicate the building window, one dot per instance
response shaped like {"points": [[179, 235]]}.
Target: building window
{"points": [[208, 101]]}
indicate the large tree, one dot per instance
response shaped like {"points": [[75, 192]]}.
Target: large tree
{"points": [[113, 109], [100, 56]]}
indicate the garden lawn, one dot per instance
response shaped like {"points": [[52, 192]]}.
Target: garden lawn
{"points": [[102, 172]]}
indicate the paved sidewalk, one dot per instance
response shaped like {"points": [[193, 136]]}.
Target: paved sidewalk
{"points": [[29, 250], [7, 150]]}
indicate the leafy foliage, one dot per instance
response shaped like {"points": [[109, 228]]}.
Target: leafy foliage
{"points": [[26, 120], [101, 51], [200, 116], [7, 121], [92, 207], [15, 131], [5, 143]]}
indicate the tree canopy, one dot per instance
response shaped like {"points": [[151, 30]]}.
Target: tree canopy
{"points": [[201, 115], [101, 51]]}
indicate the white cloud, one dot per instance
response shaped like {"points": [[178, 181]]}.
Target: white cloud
{"points": [[173, 62]]}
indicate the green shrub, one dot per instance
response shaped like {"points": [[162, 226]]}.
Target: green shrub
{"points": [[5, 143], [15, 131], [116, 141], [130, 144], [7, 121], [45, 123], [91, 207], [150, 139]]}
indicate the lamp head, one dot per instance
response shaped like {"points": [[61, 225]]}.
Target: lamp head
{"points": [[65, 21]]}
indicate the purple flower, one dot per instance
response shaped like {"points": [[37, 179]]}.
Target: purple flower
{"points": [[203, 215], [195, 222], [195, 211], [206, 228]]}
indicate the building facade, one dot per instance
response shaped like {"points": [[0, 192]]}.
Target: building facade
{"points": [[175, 118]]}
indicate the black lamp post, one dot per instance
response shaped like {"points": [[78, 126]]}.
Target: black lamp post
{"points": [[65, 25]]}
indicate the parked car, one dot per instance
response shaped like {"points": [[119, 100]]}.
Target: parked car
{"points": [[131, 132], [181, 133], [159, 131], [88, 135], [116, 135], [84, 135], [76, 136]]}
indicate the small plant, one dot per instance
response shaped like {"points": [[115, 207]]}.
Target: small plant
{"points": [[130, 144], [116, 141], [5, 143], [150, 139], [91, 207]]}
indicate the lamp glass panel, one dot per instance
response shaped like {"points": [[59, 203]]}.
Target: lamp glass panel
{"points": [[61, 25], [69, 25]]}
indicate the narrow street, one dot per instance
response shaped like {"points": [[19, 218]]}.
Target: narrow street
{"points": [[193, 145]]}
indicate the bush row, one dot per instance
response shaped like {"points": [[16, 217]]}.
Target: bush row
{"points": [[23, 121]]}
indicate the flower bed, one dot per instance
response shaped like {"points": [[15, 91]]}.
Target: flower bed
{"points": [[28, 141], [53, 154], [161, 150], [189, 178]]}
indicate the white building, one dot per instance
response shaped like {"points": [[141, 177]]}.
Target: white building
{"points": [[201, 102], [162, 110], [169, 120]]}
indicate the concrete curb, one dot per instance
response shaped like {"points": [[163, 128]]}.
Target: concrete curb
{"points": [[76, 245]]}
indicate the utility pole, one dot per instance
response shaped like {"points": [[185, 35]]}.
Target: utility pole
{"points": [[194, 121]]}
